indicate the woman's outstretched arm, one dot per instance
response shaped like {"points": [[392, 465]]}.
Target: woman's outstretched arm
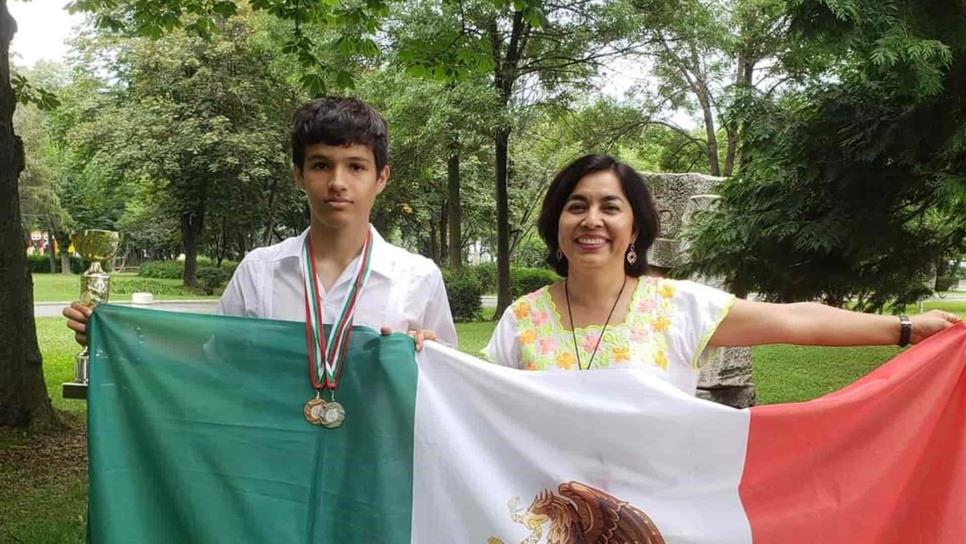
{"points": [[811, 324]]}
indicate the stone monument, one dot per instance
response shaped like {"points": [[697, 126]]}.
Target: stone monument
{"points": [[726, 378]]}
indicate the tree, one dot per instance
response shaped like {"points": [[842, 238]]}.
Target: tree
{"points": [[23, 398], [553, 47], [438, 135], [706, 59], [198, 134], [23, 392], [853, 187]]}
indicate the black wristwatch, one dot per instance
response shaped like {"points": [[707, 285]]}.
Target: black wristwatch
{"points": [[905, 330]]}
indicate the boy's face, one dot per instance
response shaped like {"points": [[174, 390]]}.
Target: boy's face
{"points": [[341, 182]]}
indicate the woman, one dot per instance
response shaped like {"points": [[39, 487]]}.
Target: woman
{"points": [[598, 219]]}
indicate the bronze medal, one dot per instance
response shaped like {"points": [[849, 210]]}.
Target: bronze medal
{"points": [[314, 410]]}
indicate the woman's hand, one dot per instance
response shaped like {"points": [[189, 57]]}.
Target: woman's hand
{"points": [[931, 322], [419, 336]]}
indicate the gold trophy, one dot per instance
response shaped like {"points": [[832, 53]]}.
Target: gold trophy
{"points": [[94, 246]]}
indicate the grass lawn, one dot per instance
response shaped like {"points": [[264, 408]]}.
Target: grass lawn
{"points": [[64, 288], [43, 480]]}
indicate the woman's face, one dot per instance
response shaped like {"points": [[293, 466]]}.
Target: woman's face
{"points": [[597, 223]]}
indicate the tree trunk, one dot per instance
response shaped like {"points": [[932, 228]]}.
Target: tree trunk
{"points": [[505, 75], [433, 241], [502, 141], [23, 391], [713, 162], [63, 245], [743, 79], [443, 229], [270, 224], [192, 227], [52, 263], [455, 209]]}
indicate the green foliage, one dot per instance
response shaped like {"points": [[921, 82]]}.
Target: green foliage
{"points": [[527, 280], [486, 274], [172, 270], [28, 93], [463, 290], [430, 122], [126, 286], [326, 38], [40, 264], [945, 283], [211, 278], [531, 253], [188, 147], [523, 280], [852, 187]]}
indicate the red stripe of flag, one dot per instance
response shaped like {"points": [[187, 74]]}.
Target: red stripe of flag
{"points": [[881, 461]]}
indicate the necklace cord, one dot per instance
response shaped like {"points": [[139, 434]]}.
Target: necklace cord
{"points": [[573, 329]]}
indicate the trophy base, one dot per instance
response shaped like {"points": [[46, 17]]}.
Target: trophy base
{"points": [[74, 390]]}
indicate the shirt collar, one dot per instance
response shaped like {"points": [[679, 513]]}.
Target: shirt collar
{"points": [[381, 259]]}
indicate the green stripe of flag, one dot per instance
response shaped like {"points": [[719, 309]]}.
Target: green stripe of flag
{"points": [[194, 418]]}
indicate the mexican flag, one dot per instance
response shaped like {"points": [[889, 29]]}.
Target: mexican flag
{"points": [[197, 434]]}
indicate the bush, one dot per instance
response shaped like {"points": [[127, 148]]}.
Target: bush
{"points": [[486, 274], [171, 270], [463, 289], [229, 267], [174, 270], [945, 283], [126, 286], [211, 278], [527, 280], [40, 264]]}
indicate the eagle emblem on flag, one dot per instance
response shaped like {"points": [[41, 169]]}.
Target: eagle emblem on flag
{"points": [[581, 514]]}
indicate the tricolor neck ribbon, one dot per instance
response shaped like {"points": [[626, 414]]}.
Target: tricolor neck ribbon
{"points": [[327, 355]]}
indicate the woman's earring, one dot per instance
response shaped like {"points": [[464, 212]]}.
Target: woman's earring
{"points": [[560, 255], [631, 254]]}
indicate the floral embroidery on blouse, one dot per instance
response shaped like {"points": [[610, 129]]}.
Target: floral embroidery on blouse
{"points": [[545, 343]]}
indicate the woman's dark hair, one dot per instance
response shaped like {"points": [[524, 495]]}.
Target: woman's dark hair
{"points": [[335, 120], [645, 214]]}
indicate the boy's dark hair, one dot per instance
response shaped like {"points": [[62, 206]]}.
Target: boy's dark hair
{"points": [[336, 120], [645, 213]]}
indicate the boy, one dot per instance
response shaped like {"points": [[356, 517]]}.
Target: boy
{"points": [[339, 153]]}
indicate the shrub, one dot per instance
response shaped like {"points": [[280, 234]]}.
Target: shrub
{"points": [[945, 283], [486, 274], [40, 264], [126, 286], [463, 289], [172, 270], [211, 278], [229, 267], [527, 280]]}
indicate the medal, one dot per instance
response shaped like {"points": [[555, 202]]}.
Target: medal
{"points": [[313, 410], [327, 355], [333, 414]]}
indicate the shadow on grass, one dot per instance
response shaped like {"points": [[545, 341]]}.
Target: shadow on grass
{"points": [[43, 484]]}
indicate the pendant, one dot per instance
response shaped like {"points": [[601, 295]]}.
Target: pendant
{"points": [[332, 415], [314, 410]]}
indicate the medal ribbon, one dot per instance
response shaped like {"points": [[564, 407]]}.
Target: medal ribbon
{"points": [[326, 355]]}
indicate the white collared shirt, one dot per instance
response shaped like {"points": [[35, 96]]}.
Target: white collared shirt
{"points": [[404, 291]]}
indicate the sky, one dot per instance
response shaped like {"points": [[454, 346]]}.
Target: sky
{"points": [[42, 28]]}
